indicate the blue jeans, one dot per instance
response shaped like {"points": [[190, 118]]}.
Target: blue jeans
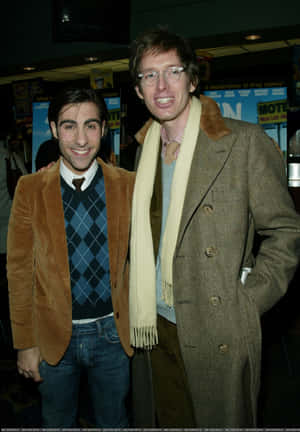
{"points": [[95, 349]]}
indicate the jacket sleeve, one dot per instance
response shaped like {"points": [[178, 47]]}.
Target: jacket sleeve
{"points": [[275, 219], [20, 267]]}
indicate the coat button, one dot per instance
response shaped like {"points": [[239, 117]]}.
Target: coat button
{"points": [[208, 209], [215, 300], [223, 348], [117, 315], [210, 251]]}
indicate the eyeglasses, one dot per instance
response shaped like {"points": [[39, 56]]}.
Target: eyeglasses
{"points": [[171, 74]]}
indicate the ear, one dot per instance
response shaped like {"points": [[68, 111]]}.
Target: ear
{"points": [[53, 129], [138, 92], [192, 87]]}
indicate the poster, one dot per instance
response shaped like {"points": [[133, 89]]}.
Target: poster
{"points": [[40, 128], [295, 96], [24, 93], [113, 104], [101, 79], [264, 106]]}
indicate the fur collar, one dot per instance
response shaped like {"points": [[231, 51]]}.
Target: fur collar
{"points": [[211, 122]]}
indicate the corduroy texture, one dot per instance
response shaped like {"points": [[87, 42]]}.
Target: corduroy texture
{"points": [[142, 298], [38, 264]]}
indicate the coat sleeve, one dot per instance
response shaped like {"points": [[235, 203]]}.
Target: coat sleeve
{"points": [[20, 267], [274, 218]]}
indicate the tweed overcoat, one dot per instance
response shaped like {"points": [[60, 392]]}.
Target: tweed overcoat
{"points": [[237, 185], [38, 264]]}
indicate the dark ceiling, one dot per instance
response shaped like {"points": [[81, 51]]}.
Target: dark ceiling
{"points": [[28, 37]]}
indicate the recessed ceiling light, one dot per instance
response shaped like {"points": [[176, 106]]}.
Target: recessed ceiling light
{"points": [[91, 59], [29, 68], [65, 18], [253, 37]]}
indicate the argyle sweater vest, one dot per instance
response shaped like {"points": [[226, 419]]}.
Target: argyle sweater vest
{"points": [[86, 232]]}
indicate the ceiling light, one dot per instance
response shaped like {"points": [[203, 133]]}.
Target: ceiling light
{"points": [[252, 37], [65, 18], [91, 59], [29, 68]]}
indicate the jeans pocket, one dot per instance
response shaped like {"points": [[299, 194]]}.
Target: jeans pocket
{"points": [[110, 331]]}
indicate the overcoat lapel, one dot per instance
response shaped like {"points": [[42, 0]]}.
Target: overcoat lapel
{"points": [[210, 156], [213, 148]]}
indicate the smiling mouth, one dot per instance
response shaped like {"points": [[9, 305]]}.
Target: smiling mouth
{"points": [[164, 100], [80, 152]]}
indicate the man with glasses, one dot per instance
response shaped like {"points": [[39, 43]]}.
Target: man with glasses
{"points": [[204, 186]]}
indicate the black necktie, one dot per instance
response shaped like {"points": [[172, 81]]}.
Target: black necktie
{"points": [[78, 182]]}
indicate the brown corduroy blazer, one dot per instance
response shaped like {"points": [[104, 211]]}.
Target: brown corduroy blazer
{"points": [[38, 264]]}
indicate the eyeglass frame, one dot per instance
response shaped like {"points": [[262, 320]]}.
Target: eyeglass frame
{"points": [[179, 69]]}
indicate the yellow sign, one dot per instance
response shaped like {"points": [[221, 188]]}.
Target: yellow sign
{"points": [[114, 119], [272, 112]]}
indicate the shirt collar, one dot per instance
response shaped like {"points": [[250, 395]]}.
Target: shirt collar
{"points": [[68, 175], [164, 138], [166, 141]]}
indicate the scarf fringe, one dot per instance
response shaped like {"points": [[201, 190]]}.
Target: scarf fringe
{"points": [[144, 337], [167, 293]]}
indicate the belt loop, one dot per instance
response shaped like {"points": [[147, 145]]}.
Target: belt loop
{"points": [[98, 324]]}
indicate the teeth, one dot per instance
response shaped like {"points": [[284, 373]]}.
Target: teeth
{"points": [[164, 100], [80, 151]]}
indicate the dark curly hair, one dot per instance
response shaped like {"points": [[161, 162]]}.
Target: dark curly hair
{"points": [[75, 96]]}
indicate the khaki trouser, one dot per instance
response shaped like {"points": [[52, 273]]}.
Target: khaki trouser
{"points": [[173, 404]]}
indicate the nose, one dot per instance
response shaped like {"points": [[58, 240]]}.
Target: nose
{"points": [[81, 137], [161, 81]]}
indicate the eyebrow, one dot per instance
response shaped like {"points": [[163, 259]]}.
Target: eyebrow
{"points": [[150, 69], [91, 120]]}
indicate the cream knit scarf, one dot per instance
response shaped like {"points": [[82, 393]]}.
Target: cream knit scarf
{"points": [[142, 293]]}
